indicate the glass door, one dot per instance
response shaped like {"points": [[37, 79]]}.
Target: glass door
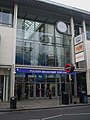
{"points": [[40, 90], [24, 86], [43, 90], [51, 87], [31, 90]]}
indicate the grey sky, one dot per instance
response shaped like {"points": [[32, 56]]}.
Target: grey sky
{"points": [[82, 4]]}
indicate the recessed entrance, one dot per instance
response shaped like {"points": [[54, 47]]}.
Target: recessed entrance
{"points": [[30, 86]]}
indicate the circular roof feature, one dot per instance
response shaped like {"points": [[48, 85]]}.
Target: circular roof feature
{"points": [[61, 27]]}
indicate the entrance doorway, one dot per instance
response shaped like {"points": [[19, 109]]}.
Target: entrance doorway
{"points": [[51, 87], [40, 89], [29, 90], [24, 90], [38, 85]]}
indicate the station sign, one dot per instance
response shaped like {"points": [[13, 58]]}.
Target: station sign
{"points": [[39, 71], [69, 68]]}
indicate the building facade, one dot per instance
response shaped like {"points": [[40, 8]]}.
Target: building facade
{"points": [[33, 54]]}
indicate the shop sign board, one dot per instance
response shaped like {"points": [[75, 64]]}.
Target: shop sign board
{"points": [[79, 57], [78, 39], [79, 48]]}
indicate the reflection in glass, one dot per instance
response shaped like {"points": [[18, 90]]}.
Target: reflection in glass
{"points": [[41, 46], [19, 52]]}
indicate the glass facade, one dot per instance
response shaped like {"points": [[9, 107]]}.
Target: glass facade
{"points": [[41, 45]]}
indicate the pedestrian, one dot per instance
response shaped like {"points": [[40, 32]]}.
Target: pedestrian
{"points": [[50, 94], [19, 93]]}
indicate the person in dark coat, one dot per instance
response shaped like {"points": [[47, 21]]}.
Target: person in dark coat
{"points": [[18, 93], [50, 94]]}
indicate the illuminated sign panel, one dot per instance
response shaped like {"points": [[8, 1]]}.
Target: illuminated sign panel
{"points": [[79, 57], [69, 68], [40, 71], [79, 39], [79, 47], [22, 70]]}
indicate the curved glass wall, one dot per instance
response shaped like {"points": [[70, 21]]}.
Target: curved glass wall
{"points": [[41, 45]]}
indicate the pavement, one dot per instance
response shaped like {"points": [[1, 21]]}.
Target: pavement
{"points": [[37, 104]]}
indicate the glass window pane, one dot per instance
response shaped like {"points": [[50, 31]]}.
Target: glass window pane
{"points": [[37, 59], [59, 38], [78, 29], [60, 56], [66, 39], [28, 53], [19, 52], [67, 55], [6, 16]]}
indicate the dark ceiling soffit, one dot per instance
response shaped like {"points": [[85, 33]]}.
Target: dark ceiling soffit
{"points": [[39, 12], [46, 7], [46, 4], [7, 4], [55, 15], [67, 8]]}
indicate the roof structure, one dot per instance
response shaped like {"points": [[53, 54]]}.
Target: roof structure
{"points": [[44, 10]]}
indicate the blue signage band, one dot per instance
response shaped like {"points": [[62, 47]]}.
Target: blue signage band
{"points": [[38, 71]]}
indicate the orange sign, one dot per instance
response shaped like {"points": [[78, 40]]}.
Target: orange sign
{"points": [[79, 48]]}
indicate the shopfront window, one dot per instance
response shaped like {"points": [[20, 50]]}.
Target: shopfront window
{"points": [[4, 87], [81, 82]]}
